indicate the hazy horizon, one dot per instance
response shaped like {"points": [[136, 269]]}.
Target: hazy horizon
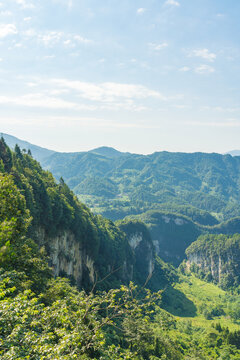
{"points": [[105, 146], [139, 76]]}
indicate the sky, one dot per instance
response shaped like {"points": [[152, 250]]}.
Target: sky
{"points": [[137, 75]]}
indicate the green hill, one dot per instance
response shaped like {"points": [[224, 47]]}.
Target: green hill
{"points": [[216, 258], [86, 248], [205, 187], [39, 153], [42, 316], [199, 193], [207, 182]]}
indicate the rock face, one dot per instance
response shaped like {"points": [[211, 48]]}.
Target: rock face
{"points": [[217, 257], [144, 253], [141, 244], [208, 264], [216, 266], [171, 234], [68, 258]]}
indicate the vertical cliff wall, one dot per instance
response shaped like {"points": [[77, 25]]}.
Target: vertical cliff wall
{"points": [[217, 257]]}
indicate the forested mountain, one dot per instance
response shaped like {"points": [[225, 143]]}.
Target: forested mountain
{"points": [[216, 258], [136, 183], [38, 152], [178, 195], [42, 316], [234, 152], [190, 184], [84, 247], [172, 233]]}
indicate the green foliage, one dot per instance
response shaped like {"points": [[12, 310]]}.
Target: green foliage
{"points": [[54, 209], [97, 186], [223, 250], [46, 318], [74, 325], [173, 232], [197, 185], [17, 252]]}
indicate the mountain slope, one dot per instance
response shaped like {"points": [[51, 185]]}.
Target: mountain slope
{"points": [[138, 183], [84, 247], [38, 152], [234, 152], [208, 182], [107, 151]]}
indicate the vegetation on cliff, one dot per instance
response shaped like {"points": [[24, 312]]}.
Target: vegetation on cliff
{"points": [[216, 258], [43, 317], [56, 209], [202, 186]]}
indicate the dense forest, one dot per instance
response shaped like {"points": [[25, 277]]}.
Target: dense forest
{"points": [[45, 313], [179, 196], [202, 186]]}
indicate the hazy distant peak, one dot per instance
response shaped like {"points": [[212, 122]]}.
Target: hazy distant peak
{"points": [[107, 151], [234, 152], [38, 152]]}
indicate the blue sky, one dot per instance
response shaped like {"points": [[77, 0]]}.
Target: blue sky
{"points": [[140, 76]]}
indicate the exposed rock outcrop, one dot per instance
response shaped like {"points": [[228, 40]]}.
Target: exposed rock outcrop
{"points": [[141, 244], [67, 256], [217, 257]]}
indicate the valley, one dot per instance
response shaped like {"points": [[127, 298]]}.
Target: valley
{"points": [[67, 264]]}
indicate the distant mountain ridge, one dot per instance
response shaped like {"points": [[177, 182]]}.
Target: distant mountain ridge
{"points": [[137, 183], [38, 152], [186, 193], [107, 151], [234, 152]]}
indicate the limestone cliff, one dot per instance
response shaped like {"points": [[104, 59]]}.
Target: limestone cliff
{"points": [[171, 234], [141, 244], [217, 257], [69, 257]]}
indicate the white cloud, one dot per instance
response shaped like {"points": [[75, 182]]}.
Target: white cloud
{"points": [[110, 96], [25, 4], [6, 13], [141, 11], [49, 57], [204, 54], [204, 69], [158, 47], [7, 29], [229, 123], [43, 101], [172, 2], [108, 92], [51, 101], [68, 3], [221, 109], [81, 39], [51, 38], [182, 107], [68, 43], [30, 33], [185, 69], [27, 18]]}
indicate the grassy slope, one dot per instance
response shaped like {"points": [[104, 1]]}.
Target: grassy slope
{"points": [[204, 296]]}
